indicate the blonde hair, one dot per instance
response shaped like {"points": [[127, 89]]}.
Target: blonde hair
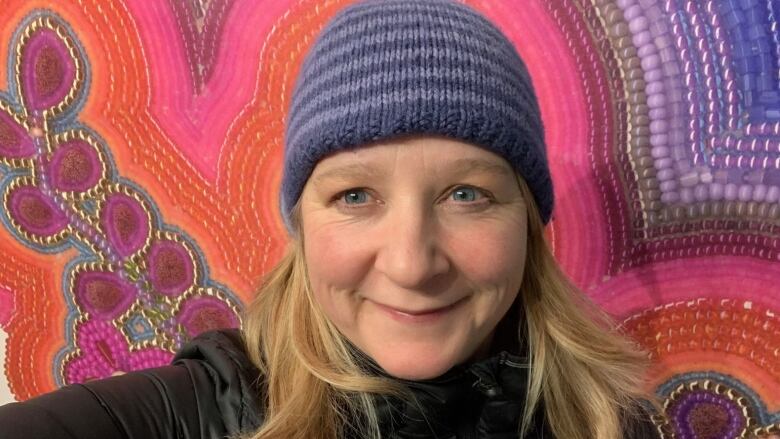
{"points": [[587, 377]]}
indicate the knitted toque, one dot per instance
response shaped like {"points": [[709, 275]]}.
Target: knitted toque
{"points": [[385, 68]]}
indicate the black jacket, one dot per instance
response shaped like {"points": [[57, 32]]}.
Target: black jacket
{"points": [[212, 391]]}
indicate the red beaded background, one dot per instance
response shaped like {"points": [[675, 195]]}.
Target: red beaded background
{"points": [[140, 158]]}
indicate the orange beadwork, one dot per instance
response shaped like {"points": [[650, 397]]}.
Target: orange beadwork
{"points": [[736, 327]]}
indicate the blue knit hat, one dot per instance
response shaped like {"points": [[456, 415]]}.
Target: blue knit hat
{"points": [[386, 68]]}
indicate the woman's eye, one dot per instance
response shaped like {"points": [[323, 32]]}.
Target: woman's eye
{"points": [[359, 197], [467, 194], [352, 197]]}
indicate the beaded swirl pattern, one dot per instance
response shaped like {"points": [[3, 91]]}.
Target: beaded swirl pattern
{"points": [[140, 158]]}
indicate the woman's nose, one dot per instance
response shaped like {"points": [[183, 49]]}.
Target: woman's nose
{"points": [[409, 253]]}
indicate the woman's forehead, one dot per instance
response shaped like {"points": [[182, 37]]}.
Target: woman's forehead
{"points": [[431, 152]]}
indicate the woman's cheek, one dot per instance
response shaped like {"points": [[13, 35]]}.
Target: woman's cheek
{"points": [[335, 259], [330, 276], [489, 254]]}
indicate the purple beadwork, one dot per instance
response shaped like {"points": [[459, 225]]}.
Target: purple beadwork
{"points": [[48, 70], [104, 295], [125, 223]]}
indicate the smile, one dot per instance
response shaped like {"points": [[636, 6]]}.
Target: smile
{"points": [[424, 316]]}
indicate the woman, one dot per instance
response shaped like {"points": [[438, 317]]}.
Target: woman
{"points": [[418, 297]]}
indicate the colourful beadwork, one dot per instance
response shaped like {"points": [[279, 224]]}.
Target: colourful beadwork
{"points": [[68, 194], [141, 146]]}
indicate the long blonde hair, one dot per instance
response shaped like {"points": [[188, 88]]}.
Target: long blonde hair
{"points": [[587, 377]]}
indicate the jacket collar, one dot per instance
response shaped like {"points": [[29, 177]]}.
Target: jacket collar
{"points": [[481, 399]]}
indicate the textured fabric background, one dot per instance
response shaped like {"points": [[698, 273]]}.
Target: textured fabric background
{"points": [[140, 158]]}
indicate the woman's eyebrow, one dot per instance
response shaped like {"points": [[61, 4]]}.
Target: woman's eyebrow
{"points": [[351, 171], [458, 167], [465, 166]]}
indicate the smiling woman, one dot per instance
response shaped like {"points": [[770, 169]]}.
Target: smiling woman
{"points": [[418, 263], [418, 297]]}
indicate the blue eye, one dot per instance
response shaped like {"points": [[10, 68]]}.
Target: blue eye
{"points": [[465, 194], [354, 196]]}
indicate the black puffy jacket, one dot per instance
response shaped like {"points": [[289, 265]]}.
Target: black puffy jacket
{"points": [[211, 391]]}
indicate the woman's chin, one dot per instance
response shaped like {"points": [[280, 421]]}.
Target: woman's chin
{"points": [[417, 372], [413, 366]]}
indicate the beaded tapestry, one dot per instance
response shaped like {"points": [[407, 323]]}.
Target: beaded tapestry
{"points": [[140, 157]]}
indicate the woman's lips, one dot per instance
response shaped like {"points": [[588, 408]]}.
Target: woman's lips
{"points": [[426, 316]]}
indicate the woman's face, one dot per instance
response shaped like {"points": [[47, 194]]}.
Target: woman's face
{"points": [[415, 249]]}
